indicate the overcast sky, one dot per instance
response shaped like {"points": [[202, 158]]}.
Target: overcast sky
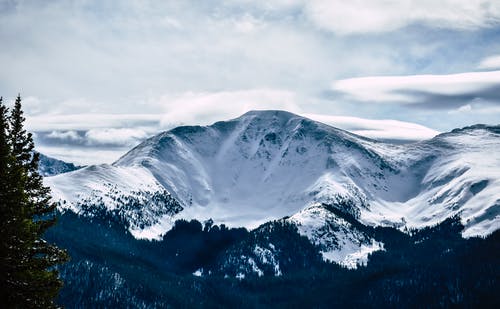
{"points": [[97, 77]]}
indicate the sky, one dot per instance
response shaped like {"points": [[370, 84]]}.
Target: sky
{"points": [[97, 77]]}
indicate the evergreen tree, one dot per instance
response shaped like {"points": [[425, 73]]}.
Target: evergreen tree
{"points": [[28, 261], [7, 216]]}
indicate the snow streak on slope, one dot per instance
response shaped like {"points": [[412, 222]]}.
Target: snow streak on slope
{"points": [[266, 165]]}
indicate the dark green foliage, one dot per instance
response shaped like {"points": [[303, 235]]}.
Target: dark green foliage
{"points": [[110, 268], [27, 260], [184, 249], [191, 246], [434, 267], [275, 248]]}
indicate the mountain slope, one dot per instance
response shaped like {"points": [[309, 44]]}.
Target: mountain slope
{"points": [[460, 174], [49, 166], [266, 165], [257, 167]]}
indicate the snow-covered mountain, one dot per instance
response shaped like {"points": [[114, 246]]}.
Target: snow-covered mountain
{"points": [[267, 165], [49, 166]]}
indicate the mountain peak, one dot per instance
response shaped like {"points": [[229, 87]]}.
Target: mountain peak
{"points": [[269, 164], [490, 128], [270, 113]]}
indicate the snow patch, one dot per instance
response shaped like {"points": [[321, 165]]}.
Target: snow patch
{"points": [[352, 256], [338, 240], [266, 256], [255, 268], [198, 273], [240, 276]]}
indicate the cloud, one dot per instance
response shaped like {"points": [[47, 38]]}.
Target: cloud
{"points": [[94, 146], [206, 108], [120, 52], [115, 137], [110, 56], [87, 121], [492, 62], [149, 65], [97, 146], [464, 108], [114, 134], [425, 91], [478, 109], [248, 24], [375, 16], [82, 155], [64, 135], [381, 129], [97, 137]]}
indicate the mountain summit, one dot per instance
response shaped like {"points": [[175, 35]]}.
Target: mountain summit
{"points": [[267, 165]]}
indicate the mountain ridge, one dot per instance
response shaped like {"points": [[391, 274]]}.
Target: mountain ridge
{"points": [[49, 166], [266, 165]]}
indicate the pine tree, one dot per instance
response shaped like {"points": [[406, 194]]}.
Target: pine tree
{"points": [[7, 211], [28, 261]]}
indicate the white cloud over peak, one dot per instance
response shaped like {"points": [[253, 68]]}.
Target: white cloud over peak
{"points": [[419, 89], [382, 129], [206, 108]]}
